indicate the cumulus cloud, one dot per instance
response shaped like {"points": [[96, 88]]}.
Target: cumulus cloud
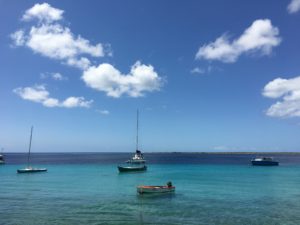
{"points": [[40, 94], [294, 6], [141, 78], [43, 12], [53, 40], [260, 37], [289, 92]]}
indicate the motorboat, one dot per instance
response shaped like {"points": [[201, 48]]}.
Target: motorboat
{"points": [[169, 188], [264, 161]]}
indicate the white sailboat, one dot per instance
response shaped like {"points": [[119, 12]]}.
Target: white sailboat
{"points": [[138, 156], [2, 160], [30, 169]]}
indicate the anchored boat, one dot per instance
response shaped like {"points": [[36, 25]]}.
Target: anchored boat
{"points": [[30, 169], [2, 160], [169, 188], [132, 168], [264, 161], [138, 157]]}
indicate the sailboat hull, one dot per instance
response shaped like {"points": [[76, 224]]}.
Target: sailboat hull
{"points": [[132, 168], [32, 170]]}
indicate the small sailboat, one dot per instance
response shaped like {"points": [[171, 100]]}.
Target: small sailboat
{"points": [[2, 160], [138, 157], [156, 189], [30, 169]]}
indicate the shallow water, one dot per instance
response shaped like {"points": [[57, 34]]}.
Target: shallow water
{"points": [[206, 192]]}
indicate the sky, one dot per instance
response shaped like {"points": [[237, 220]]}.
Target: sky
{"points": [[207, 75]]}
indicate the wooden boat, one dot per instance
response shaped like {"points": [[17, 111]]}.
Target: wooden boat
{"points": [[29, 169], [132, 168], [264, 161], [169, 188]]}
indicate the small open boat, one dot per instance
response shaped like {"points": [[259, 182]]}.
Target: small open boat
{"points": [[28, 168], [156, 189], [132, 168]]}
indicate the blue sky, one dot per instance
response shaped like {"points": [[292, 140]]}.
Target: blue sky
{"points": [[205, 75]]}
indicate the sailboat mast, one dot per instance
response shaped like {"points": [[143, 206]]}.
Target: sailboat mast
{"points": [[28, 157], [137, 130]]}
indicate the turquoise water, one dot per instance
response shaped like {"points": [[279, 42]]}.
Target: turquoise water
{"points": [[98, 194]]}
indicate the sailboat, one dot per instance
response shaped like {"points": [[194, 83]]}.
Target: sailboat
{"points": [[2, 160], [30, 169], [137, 162], [138, 157]]}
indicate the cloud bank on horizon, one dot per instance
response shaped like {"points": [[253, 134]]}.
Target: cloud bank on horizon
{"points": [[51, 39], [261, 37]]}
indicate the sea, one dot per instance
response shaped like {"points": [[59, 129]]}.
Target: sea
{"points": [[86, 188]]}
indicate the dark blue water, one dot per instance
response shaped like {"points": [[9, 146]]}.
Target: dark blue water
{"points": [[83, 188], [153, 158]]}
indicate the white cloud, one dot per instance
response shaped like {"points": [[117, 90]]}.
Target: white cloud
{"points": [[294, 6], [197, 70], [18, 38], [82, 63], [39, 94], [51, 39], [289, 91], [107, 78], [72, 102], [58, 76], [54, 76], [57, 42], [35, 94], [103, 112], [260, 37], [43, 12]]}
